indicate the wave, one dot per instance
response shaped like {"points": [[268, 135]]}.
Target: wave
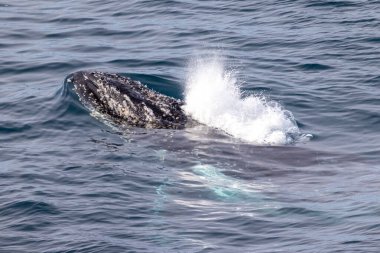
{"points": [[213, 97]]}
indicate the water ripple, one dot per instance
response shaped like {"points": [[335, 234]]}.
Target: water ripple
{"points": [[71, 181]]}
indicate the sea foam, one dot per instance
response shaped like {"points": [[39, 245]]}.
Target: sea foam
{"points": [[213, 97]]}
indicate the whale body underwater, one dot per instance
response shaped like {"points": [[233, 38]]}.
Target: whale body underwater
{"points": [[128, 101]]}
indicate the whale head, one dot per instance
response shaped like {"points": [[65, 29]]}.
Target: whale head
{"points": [[127, 101]]}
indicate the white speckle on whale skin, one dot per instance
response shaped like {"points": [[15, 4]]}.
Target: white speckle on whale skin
{"points": [[129, 102], [108, 95], [125, 106], [149, 115]]}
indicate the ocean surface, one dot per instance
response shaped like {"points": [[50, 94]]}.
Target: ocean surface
{"points": [[287, 158]]}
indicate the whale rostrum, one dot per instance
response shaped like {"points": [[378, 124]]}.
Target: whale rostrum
{"points": [[128, 101]]}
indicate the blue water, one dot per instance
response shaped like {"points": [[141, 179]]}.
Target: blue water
{"points": [[72, 182]]}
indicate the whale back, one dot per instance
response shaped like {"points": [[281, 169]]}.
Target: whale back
{"points": [[128, 101]]}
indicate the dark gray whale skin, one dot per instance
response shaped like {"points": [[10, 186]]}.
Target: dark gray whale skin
{"points": [[128, 101]]}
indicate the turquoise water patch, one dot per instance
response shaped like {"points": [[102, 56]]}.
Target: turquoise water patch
{"points": [[226, 187]]}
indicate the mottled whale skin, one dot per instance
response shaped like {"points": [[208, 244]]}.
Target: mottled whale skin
{"points": [[128, 101]]}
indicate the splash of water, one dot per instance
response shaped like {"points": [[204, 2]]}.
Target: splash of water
{"points": [[213, 97]]}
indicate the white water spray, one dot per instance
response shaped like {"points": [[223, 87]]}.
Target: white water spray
{"points": [[213, 97]]}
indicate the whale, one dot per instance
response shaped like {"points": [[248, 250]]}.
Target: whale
{"points": [[128, 101]]}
